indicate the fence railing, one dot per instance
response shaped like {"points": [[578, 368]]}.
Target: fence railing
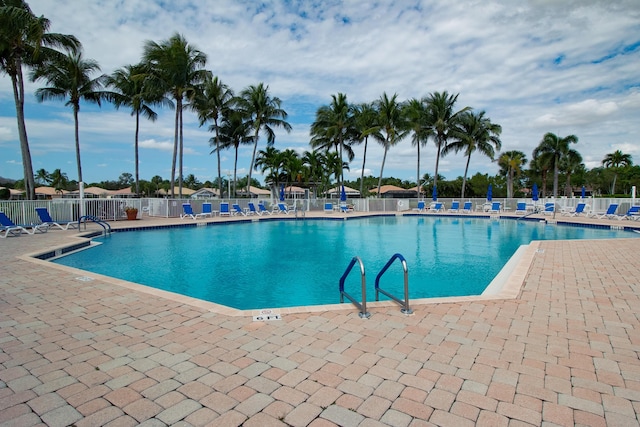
{"points": [[67, 209]]}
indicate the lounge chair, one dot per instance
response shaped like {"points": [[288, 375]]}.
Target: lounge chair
{"points": [[224, 209], [45, 218], [346, 208], [253, 210], [495, 207], [12, 229], [420, 207], [262, 209], [455, 206], [436, 207], [282, 208], [549, 208], [206, 210], [467, 207], [521, 208], [328, 208], [237, 210], [579, 210], [632, 213], [609, 214], [188, 212]]}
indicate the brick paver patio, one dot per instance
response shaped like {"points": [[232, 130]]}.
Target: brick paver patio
{"points": [[564, 352]]}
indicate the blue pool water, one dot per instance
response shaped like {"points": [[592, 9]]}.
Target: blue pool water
{"points": [[292, 263]]}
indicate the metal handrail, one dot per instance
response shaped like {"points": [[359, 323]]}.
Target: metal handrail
{"points": [[362, 307], [405, 304], [105, 225]]}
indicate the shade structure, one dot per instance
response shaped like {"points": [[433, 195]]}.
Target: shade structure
{"points": [[534, 192], [343, 194], [282, 193], [490, 193], [582, 194], [434, 194]]}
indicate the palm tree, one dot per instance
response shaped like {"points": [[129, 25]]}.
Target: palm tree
{"points": [[551, 150], [474, 132], [314, 161], [24, 41], [415, 113], [70, 77], [263, 113], [42, 177], [270, 159], [540, 165], [366, 123], [511, 164], [233, 132], [130, 91], [570, 164], [215, 98], [615, 160], [59, 180], [176, 69], [392, 124], [334, 126], [441, 119]]}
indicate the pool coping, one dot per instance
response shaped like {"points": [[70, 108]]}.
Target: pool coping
{"points": [[507, 284]]}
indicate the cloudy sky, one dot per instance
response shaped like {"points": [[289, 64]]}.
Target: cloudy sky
{"points": [[534, 66]]}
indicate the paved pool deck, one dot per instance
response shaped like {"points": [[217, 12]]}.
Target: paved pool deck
{"points": [[557, 346]]}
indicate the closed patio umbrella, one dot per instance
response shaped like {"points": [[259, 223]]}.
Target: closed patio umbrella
{"points": [[490, 193], [282, 193], [343, 194], [582, 194], [434, 195], [534, 192]]}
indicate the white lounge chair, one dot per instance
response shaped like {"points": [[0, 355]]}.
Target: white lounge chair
{"points": [[9, 228], [45, 218]]}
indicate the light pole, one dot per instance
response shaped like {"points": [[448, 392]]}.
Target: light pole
{"points": [[229, 184]]}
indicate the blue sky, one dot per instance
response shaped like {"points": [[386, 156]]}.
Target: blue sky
{"points": [[534, 66]]}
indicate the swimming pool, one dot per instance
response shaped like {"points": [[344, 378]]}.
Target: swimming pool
{"points": [[270, 264]]}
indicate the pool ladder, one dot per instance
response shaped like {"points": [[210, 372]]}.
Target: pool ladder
{"points": [[364, 314], [105, 225]]}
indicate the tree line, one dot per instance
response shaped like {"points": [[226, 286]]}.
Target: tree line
{"points": [[172, 74]]}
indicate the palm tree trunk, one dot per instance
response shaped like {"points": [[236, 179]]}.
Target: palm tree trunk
{"points": [[235, 169], [613, 186], [435, 176], [175, 148], [77, 135], [464, 178], [181, 157], [419, 187], [510, 184], [253, 159], [555, 180], [384, 159], [27, 166], [215, 122], [135, 148], [364, 159]]}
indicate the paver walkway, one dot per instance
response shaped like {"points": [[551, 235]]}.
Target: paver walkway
{"points": [[92, 353]]}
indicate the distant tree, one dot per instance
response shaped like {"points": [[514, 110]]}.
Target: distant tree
{"points": [[42, 177], [125, 180], [69, 77], [570, 164], [366, 125], [233, 132], [59, 180], [551, 150], [511, 165], [392, 126], [415, 120], [615, 160]]}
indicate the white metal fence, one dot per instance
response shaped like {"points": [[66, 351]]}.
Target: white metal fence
{"points": [[23, 211]]}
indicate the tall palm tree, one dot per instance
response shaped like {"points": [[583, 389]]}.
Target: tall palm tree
{"points": [[366, 123], [552, 149], [42, 177], [415, 113], [615, 160], [314, 161], [25, 42], [474, 132], [511, 165], [539, 166], [233, 132], [211, 104], [130, 91], [391, 124], [263, 112], [570, 164], [176, 68], [441, 118], [69, 77], [270, 160], [334, 126], [59, 180]]}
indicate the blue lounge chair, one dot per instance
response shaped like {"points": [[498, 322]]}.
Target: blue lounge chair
{"points": [[521, 208], [420, 207], [632, 213], [187, 211], [549, 208], [282, 208], [12, 229], [45, 218], [224, 209], [206, 210], [328, 208], [609, 214], [436, 207], [579, 210], [345, 208], [455, 206], [237, 210], [495, 207], [467, 207], [253, 210], [263, 209]]}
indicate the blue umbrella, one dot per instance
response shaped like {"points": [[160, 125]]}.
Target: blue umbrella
{"points": [[490, 193], [534, 192], [343, 194], [434, 195], [583, 192], [282, 193]]}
